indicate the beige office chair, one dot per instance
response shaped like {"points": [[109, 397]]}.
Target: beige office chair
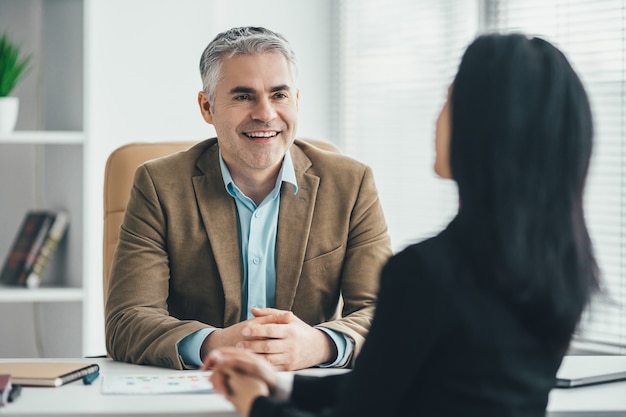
{"points": [[118, 180]]}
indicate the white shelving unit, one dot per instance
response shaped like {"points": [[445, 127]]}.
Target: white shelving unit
{"points": [[40, 295], [43, 138], [42, 167]]}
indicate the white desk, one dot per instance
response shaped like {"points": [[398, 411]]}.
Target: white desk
{"points": [[77, 400]]}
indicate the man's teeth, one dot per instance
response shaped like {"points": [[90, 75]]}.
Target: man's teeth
{"points": [[261, 134]]}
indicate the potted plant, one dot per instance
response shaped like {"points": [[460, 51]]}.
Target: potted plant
{"points": [[13, 68]]}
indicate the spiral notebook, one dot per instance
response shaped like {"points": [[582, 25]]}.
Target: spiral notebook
{"points": [[46, 374]]}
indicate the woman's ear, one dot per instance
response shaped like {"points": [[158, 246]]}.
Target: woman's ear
{"points": [[442, 142]]}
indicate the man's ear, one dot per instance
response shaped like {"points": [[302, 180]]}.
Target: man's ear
{"points": [[205, 107], [297, 98]]}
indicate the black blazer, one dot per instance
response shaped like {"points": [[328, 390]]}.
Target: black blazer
{"points": [[442, 343]]}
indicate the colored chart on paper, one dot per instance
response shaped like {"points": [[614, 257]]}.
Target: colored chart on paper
{"points": [[183, 382]]}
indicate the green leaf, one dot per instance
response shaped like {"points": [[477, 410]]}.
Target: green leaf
{"points": [[13, 67]]}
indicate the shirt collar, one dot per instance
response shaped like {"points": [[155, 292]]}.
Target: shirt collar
{"points": [[287, 173]]}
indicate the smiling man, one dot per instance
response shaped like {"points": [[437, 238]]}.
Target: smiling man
{"points": [[252, 239]]}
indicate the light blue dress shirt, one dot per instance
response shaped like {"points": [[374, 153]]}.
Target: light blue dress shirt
{"points": [[257, 237]]}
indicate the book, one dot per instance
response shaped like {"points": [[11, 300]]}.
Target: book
{"points": [[26, 245], [47, 374], [5, 388], [51, 242]]}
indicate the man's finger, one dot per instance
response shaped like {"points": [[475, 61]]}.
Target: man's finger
{"points": [[255, 331], [265, 346], [272, 315], [280, 361]]}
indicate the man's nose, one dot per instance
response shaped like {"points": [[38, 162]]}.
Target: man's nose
{"points": [[263, 110]]}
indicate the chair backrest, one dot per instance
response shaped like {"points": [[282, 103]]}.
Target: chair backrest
{"points": [[118, 181]]}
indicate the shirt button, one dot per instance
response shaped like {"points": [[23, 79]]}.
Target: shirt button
{"points": [[255, 261], [257, 214]]}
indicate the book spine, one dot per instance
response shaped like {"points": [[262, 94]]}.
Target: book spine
{"points": [[73, 376], [51, 242], [31, 258], [25, 248], [5, 388]]}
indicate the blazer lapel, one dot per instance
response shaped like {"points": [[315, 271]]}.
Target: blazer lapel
{"points": [[219, 216], [294, 225]]}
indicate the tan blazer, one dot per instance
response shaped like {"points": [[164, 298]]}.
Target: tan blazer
{"points": [[177, 267]]}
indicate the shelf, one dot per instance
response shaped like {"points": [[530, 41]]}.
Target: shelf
{"points": [[56, 137], [39, 295], [43, 166]]}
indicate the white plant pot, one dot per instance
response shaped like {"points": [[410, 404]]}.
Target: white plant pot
{"points": [[9, 107]]}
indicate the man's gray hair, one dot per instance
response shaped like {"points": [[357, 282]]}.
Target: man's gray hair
{"points": [[246, 40]]}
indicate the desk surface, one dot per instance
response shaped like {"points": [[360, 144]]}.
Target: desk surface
{"points": [[595, 400], [76, 399]]}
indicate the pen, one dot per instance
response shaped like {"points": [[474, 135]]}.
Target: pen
{"points": [[88, 379], [15, 392]]}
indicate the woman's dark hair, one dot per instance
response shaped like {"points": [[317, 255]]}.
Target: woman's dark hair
{"points": [[519, 151]]}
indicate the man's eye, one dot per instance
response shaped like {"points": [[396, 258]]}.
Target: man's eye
{"points": [[280, 96], [242, 97]]}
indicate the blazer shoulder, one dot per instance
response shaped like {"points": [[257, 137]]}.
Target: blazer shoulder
{"points": [[184, 162], [320, 161], [434, 257]]}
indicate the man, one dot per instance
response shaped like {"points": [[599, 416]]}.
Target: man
{"points": [[251, 238]]}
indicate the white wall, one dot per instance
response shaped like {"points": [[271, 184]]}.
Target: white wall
{"points": [[142, 81]]}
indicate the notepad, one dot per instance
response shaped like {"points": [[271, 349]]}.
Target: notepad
{"points": [[183, 382], [573, 373], [46, 374]]}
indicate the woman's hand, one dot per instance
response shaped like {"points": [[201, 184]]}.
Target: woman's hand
{"points": [[241, 376], [242, 389], [242, 361]]}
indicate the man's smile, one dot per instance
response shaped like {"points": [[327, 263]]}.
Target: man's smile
{"points": [[263, 134]]}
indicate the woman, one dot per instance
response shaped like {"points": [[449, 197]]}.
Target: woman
{"points": [[476, 320]]}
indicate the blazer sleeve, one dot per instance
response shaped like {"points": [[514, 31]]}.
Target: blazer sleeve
{"points": [[402, 339], [368, 248], [138, 326], [311, 396]]}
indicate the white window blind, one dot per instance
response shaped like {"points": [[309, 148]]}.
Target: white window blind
{"points": [[395, 60]]}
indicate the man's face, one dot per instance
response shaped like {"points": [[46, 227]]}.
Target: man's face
{"points": [[254, 112]]}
